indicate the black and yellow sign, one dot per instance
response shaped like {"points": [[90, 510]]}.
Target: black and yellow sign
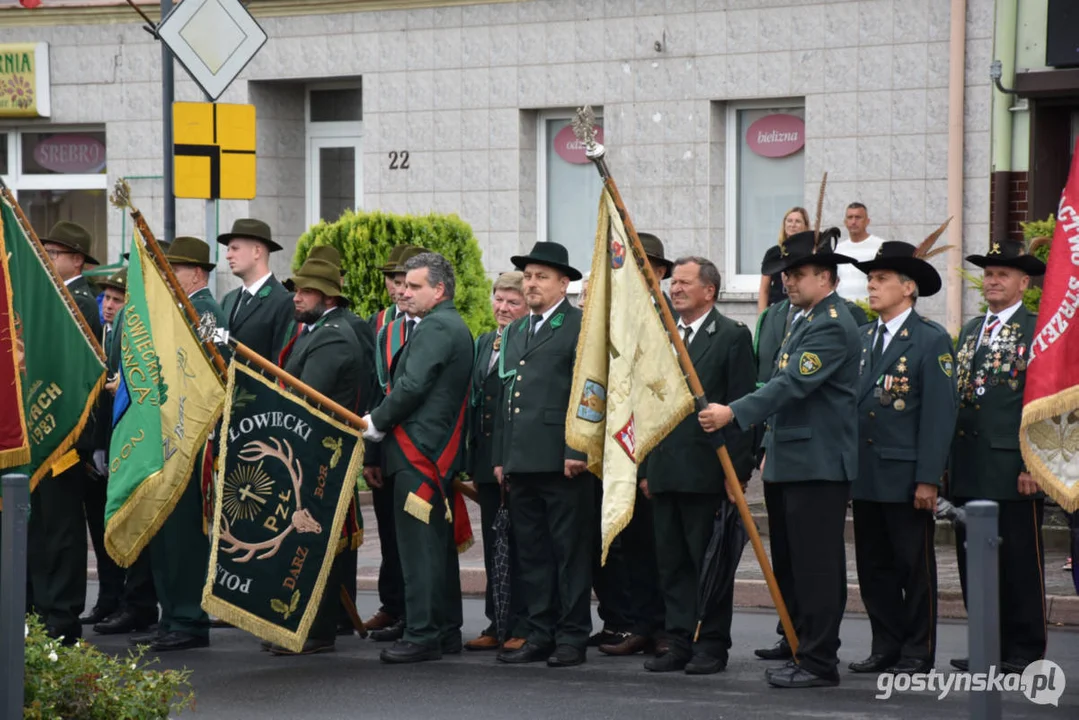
{"points": [[214, 150]]}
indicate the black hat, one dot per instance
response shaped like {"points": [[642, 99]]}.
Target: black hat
{"points": [[910, 261], [806, 248], [163, 244], [74, 237], [190, 251], [250, 229], [551, 254], [1009, 253], [653, 250]]}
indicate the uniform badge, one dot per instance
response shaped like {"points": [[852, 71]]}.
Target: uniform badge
{"points": [[627, 438], [901, 366], [809, 363], [264, 291], [593, 404], [711, 329], [556, 321], [946, 363], [832, 312], [904, 333], [899, 404], [1013, 384]]}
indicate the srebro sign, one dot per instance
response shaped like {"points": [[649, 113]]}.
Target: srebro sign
{"points": [[24, 80], [71, 154], [776, 136]]}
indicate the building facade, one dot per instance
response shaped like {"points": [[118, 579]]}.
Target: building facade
{"points": [[418, 106]]}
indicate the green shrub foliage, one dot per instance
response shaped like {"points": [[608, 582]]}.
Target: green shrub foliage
{"points": [[365, 239]]}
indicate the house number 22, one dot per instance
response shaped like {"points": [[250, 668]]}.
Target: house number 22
{"points": [[399, 160]]}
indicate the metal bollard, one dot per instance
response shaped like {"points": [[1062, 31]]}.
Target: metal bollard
{"points": [[983, 601], [16, 515]]}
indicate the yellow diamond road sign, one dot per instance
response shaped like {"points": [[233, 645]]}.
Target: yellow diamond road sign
{"points": [[214, 151]]}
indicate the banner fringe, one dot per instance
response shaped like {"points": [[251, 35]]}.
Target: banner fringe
{"points": [[1051, 406], [418, 508], [17, 456]]}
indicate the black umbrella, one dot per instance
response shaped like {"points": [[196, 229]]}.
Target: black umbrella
{"points": [[721, 560], [500, 583]]}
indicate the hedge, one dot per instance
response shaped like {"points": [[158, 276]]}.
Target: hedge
{"points": [[365, 239]]}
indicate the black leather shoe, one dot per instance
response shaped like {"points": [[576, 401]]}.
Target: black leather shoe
{"points": [[667, 662], [702, 664], [780, 651], [961, 663], [125, 621], [607, 637], [451, 646], [566, 656], [403, 651], [179, 641], [67, 636], [799, 677], [310, 647], [389, 634], [100, 613], [152, 635], [785, 669], [875, 663], [909, 666], [529, 652], [630, 645]]}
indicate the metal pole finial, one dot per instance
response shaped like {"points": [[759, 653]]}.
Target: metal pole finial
{"points": [[584, 127]]}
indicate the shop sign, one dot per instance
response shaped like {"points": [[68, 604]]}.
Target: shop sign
{"points": [[71, 154], [24, 80], [570, 149], [776, 136]]}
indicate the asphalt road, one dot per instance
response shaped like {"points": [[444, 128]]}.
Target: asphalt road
{"points": [[234, 680]]}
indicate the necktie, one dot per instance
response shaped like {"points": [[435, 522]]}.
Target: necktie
{"points": [[790, 318], [306, 330], [409, 327], [240, 302], [878, 344], [987, 334], [687, 331], [533, 323], [494, 353]]}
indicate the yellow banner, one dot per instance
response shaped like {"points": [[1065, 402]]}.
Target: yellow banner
{"points": [[628, 391], [144, 487], [24, 80]]}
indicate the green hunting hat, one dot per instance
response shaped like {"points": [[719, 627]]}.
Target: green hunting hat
{"points": [[1008, 252], [74, 237], [250, 229], [653, 249], [164, 245], [327, 253], [116, 281], [190, 251], [390, 266], [407, 254], [551, 254], [319, 274]]}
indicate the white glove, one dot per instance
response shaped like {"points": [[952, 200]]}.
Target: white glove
{"points": [[221, 336], [99, 463], [372, 433]]}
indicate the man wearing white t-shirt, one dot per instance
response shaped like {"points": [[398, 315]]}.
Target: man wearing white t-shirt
{"points": [[861, 246]]}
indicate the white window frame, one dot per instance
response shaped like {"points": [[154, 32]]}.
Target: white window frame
{"points": [[318, 135], [741, 283], [541, 172], [17, 180]]}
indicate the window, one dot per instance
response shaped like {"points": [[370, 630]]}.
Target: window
{"points": [[765, 178], [569, 188], [334, 151], [59, 174]]}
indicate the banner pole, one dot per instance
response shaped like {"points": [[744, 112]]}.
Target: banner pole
{"points": [[583, 125]]}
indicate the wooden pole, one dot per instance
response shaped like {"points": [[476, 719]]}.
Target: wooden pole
{"points": [[734, 488]]}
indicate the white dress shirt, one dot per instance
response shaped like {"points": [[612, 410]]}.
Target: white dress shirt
{"points": [[892, 327], [1004, 316]]}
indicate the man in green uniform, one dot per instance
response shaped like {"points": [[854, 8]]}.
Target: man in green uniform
{"points": [[259, 313], [991, 363], [326, 356], [685, 480], [422, 420], [551, 495], [811, 453], [508, 303], [130, 592], [393, 327], [56, 559], [906, 412]]}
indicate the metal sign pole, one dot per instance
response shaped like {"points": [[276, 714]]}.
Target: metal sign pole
{"points": [[15, 519], [167, 95], [983, 602]]}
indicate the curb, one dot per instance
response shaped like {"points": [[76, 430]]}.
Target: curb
{"points": [[1061, 609]]}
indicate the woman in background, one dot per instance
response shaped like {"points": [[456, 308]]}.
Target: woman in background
{"points": [[771, 291]]}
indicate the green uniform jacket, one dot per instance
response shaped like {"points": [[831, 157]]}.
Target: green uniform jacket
{"points": [[429, 385], [328, 359], [530, 425], [906, 442], [96, 433], [262, 323], [366, 337], [771, 326], [810, 402], [686, 461], [486, 393], [391, 314], [986, 461]]}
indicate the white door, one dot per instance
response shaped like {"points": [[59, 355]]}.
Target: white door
{"points": [[334, 177]]}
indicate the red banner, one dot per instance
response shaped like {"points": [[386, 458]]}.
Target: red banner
{"points": [[1049, 434], [14, 446]]}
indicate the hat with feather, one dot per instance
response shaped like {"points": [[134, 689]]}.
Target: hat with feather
{"points": [[910, 260], [1009, 253], [809, 247]]}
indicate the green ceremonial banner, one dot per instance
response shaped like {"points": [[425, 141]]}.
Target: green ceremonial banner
{"points": [[62, 371], [281, 498]]}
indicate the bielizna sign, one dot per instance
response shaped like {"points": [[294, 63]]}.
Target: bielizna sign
{"points": [[776, 136]]}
